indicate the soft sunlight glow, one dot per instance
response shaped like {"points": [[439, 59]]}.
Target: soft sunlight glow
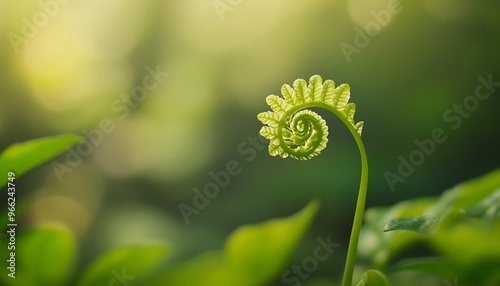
{"points": [[63, 210], [363, 12], [449, 10]]}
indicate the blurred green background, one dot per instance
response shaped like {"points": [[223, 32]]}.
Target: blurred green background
{"points": [[66, 72]]}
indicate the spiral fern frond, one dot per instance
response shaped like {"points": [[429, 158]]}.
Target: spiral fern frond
{"points": [[297, 132], [300, 133]]}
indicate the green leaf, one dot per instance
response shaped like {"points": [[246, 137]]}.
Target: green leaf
{"points": [[342, 95], [268, 132], [468, 195], [22, 157], [300, 87], [349, 111], [359, 127], [261, 250], [329, 92], [489, 208], [468, 242], [252, 255], [380, 247], [314, 89], [473, 249], [373, 278], [275, 148], [44, 256], [421, 224], [270, 118], [469, 248], [288, 94], [278, 104], [127, 262]]}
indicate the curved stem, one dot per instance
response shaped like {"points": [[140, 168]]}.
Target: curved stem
{"points": [[359, 214], [360, 205]]}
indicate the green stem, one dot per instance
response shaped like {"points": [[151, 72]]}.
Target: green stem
{"points": [[359, 214], [360, 205]]}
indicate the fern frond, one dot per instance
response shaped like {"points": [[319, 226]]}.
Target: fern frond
{"points": [[268, 132], [278, 104], [300, 87], [342, 95], [288, 93], [299, 133], [327, 96], [269, 118], [359, 127], [349, 111], [302, 134], [314, 89]]}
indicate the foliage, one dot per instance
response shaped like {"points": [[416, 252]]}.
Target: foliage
{"points": [[138, 260], [46, 255], [22, 157], [373, 278], [461, 227], [296, 131], [304, 135], [253, 255]]}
